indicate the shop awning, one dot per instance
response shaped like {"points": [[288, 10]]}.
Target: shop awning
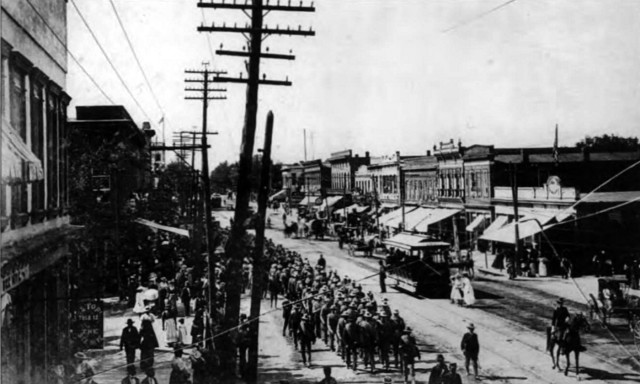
{"points": [[412, 217], [528, 226], [389, 218], [151, 224], [388, 206], [435, 215], [350, 209], [16, 155], [410, 242], [476, 223], [308, 200], [329, 202], [281, 195], [498, 223]]}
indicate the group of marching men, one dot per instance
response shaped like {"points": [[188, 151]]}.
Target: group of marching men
{"points": [[322, 305]]}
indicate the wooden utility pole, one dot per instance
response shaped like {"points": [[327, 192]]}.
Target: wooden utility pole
{"points": [[259, 271], [206, 186], [514, 193], [255, 33]]}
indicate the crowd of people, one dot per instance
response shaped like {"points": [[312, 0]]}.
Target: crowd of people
{"points": [[320, 304]]}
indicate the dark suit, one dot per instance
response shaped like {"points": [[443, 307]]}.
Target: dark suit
{"points": [[130, 341], [470, 347], [130, 380]]}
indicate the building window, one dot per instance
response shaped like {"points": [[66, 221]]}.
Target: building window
{"points": [[52, 151], [18, 101], [37, 143]]}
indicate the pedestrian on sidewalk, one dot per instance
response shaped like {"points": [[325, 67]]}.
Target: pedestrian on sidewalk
{"points": [[130, 341], [328, 379], [382, 274], [182, 333], [456, 289], [471, 348], [439, 371], [131, 376], [186, 300], [567, 267], [148, 342], [171, 335]]}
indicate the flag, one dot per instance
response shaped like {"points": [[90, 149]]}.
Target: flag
{"points": [[555, 146], [161, 120]]}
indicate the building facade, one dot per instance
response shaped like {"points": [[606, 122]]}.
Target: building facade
{"points": [[343, 168], [34, 194], [421, 180], [316, 178]]}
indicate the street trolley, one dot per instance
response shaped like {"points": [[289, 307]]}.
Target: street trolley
{"points": [[613, 299], [419, 264]]}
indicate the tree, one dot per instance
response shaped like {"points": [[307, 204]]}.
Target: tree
{"points": [[609, 143]]}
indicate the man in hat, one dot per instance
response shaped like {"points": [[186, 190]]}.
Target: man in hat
{"points": [[322, 263], [286, 314], [398, 328], [328, 379], [470, 348], [130, 341], [560, 316], [294, 323], [382, 274], [409, 352], [307, 337], [385, 338], [332, 326], [439, 371]]}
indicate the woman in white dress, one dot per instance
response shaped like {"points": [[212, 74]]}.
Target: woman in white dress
{"points": [[171, 328], [139, 307], [456, 289], [467, 290]]}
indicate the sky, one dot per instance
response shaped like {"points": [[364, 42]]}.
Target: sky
{"points": [[380, 75]]}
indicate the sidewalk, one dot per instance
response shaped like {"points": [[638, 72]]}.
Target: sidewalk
{"points": [[577, 289]]}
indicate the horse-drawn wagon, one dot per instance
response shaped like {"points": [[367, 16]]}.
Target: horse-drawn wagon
{"points": [[614, 300]]}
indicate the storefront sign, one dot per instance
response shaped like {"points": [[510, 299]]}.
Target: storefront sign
{"points": [[87, 321]]}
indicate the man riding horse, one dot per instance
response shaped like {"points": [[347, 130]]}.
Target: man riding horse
{"points": [[558, 328]]}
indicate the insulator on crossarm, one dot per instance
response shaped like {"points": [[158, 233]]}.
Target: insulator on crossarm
{"points": [[221, 45], [301, 3], [299, 27], [241, 75], [264, 76], [312, 4], [267, 49], [287, 79]]}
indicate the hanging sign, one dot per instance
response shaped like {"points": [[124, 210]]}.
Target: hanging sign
{"points": [[87, 321]]}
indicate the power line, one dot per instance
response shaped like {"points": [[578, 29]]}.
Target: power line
{"points": [[64, 45], [144, 75], [84, 21], [478, 17]]}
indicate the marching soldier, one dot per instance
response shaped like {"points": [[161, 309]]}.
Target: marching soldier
{"points": [[307, 337], [409, 352], [398, 328]]}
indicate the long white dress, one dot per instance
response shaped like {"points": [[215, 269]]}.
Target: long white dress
{"points": [[139, 307], [171, 335], [467, 290], [456, 286]]}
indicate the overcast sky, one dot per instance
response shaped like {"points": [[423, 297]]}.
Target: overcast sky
{"points": [[382, 75]]}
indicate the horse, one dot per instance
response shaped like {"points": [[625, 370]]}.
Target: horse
{"points": [[567, 342]]}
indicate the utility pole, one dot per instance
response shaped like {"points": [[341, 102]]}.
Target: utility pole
{"points": [[257, 285], [206, 186], [255, 33], [514, 193]]}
